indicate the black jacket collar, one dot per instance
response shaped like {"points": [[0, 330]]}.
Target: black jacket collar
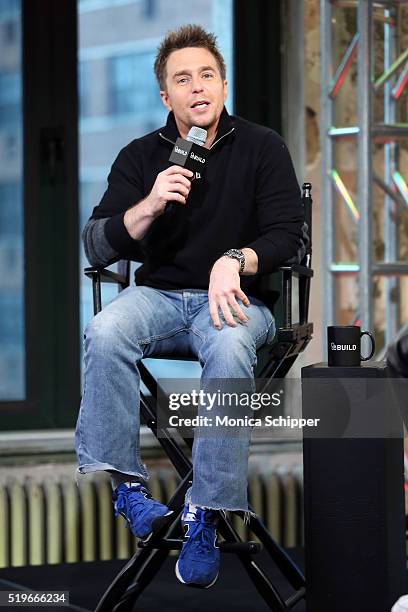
{"points": [[170, 131]]}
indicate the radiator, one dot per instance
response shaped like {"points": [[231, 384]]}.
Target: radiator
{"points": [[56, 521]]}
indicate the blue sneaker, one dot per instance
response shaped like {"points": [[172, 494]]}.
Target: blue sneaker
{"points": [[199, 561], [143, 514]]}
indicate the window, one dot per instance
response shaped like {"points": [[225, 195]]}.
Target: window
{"points": [[10, 97], [9, 10], [133, 88], [83, 90], [11, 217], [150, 8], [12, 321]]}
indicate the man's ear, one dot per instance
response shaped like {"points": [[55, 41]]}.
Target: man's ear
{"points": [[225, 90], [165, 99]]}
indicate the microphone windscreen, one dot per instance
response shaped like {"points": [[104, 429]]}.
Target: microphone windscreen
{"points": [[197, 135]]}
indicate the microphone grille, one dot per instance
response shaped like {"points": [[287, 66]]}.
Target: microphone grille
{"points": [[197, 135]]}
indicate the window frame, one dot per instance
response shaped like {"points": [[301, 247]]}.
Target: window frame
{"points": [[50, 200]]}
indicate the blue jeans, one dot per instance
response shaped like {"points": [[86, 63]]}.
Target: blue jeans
{"points": [[144, 322]]}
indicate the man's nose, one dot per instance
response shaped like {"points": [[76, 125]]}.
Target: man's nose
{"points": [[197, 85]]}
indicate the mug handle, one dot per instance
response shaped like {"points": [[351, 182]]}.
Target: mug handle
{"points": [[366, 333]]}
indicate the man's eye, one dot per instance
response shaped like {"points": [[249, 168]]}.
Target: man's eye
{"points": [[182, 81], [208, 75]]}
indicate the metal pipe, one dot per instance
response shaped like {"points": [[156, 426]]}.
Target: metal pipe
{"points": [[364, 163], [350, 268], [327, 193], [343, 132], [400, 84], [401, 186], [287, 299], [345, 196], [391, 285], [394, 196], [393, 268], [388, 133], [391, 69], [344, 65]]}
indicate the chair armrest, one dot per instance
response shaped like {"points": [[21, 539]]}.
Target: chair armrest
{"points": [[297, 269], [101, 275], [282, 305], [106, 276]]}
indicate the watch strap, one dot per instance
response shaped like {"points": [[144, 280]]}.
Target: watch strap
{"points": [[239, 256]]}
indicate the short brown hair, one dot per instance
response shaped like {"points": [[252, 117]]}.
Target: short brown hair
{"points": [[186, 36]]}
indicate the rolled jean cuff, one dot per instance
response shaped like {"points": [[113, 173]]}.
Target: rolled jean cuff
{"points": [[223, 509], [105, 467]]}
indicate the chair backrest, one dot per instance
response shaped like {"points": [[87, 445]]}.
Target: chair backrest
{"points": [[124, 270], [307, 206], [272, 286]]}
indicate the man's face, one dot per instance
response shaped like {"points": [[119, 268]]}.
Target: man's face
{"points": [[195, 91]]}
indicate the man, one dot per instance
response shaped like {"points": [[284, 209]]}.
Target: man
{"points": [[195, 293]]}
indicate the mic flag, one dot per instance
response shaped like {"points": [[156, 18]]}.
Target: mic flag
{"points": [[190, 153]]}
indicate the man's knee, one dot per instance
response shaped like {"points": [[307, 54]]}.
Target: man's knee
{"points": [[229, 346], [106, 333], [100, 327]]}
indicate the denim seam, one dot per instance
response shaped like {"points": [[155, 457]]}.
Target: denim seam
{"points": [[141, 466], [168, 334], [198, 333], [80, 418], [266, 332], [261, 334], [273, 322], [200, 358]]}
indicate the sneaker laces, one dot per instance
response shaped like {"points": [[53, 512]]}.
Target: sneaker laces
{"points": [[201, 533], [130, 503]]}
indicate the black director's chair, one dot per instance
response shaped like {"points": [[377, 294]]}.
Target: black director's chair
{"points": [[273, 362]]}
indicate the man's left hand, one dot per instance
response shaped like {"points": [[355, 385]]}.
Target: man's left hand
{"points": [[223, 291]]}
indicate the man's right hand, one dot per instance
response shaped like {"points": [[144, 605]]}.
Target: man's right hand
{"points": [[171, 185]]}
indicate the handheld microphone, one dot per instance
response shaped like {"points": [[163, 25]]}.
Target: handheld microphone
{"points": [[190, 153]]}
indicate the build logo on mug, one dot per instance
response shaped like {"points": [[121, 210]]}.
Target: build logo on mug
{"points": [[344, 345]]}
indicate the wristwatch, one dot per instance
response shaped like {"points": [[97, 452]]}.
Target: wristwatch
{"points": [[238, 255]]}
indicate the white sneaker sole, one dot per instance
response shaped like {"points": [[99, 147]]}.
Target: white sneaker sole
{"points": [[401, 605], [190, 584]]}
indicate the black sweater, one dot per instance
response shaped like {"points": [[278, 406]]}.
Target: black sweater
{"points": [[249, 197]]}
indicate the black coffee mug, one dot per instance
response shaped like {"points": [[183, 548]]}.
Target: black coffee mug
{"points": [[344, 345]]}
